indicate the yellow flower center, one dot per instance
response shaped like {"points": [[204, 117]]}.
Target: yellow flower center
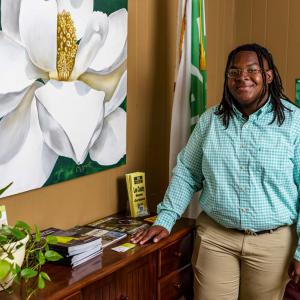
{"points": [[66, 45]]}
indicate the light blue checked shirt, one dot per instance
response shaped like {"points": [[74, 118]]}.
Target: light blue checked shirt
{"points": [[248, 173]]}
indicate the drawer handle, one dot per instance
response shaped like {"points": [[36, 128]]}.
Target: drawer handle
{"points": [[123, 297], [177, 285], [178, 254]]}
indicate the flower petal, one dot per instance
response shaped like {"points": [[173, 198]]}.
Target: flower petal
{"points": [[70, 115], [110, 147], [31, 166], [118, 96], [10, 11], [8, 102], [38, 25], [107, 83], [81, 11], [92, 40], [118, 62], [16, 69], [115, 41], [15, 126]]}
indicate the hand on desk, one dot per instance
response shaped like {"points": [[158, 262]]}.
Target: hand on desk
{"points": [[155, 233]]}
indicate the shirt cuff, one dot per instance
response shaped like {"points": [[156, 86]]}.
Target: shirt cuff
{"points": [[297, 253], [165, 221]]}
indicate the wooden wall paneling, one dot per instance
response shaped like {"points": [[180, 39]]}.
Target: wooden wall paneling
{"points": [[220, 57], [228, 33], [293, 59], [155, 145], [133, 155], [221, 32], [278, 34], [212, 10], [259, 21], [157, 142], [243, 21], [138, 105]]}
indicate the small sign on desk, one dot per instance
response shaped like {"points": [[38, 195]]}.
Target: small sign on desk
{"points": [[124, 247]]}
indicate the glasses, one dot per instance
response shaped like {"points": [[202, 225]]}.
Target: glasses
{"points": [[235, 73]]}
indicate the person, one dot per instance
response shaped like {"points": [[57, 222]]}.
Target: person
{"points": [[244, 154]]}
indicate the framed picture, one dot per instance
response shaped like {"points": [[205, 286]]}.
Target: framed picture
{"points": [[63, 90]]}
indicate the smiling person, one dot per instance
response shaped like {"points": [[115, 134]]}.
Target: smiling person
{"points": [[244, 154]]}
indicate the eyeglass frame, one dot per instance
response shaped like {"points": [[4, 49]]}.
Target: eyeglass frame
{"points": [[241, 71]]}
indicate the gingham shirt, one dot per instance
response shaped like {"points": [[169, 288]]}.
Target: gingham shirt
{"points": [[248, 173]]}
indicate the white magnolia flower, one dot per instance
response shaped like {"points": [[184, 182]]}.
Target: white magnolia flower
{"points": [[80, 55]]}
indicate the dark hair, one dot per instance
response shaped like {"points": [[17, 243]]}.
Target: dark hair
{"points": [[225, 110]]}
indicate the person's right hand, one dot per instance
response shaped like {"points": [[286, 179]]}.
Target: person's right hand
{"points": [[155, 233]]}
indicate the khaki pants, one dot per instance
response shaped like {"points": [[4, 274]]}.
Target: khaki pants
{"points": [[230, 265]]}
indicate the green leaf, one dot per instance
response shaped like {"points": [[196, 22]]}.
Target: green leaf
{"points": [[28, 273], [41, 258], [5, 268], [52, 255], [41, 282], [3, 239], [52, 240], [16, 274], [18, 234], [45, 276], [23, 225], [17, 269], [6, 230], [37, 234], [5, 188]]}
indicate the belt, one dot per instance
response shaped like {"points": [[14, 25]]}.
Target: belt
{"points": [[250, 232]]}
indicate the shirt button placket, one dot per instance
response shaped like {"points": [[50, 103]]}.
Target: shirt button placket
{"points": [[244, 174]]}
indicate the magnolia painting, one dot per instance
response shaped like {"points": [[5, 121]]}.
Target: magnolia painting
{"points": [[63, 87]]}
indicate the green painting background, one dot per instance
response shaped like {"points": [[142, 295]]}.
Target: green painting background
{"points": [[66, 168]]}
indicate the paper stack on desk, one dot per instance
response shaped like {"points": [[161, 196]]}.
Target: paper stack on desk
{"points": [[75, 246]]}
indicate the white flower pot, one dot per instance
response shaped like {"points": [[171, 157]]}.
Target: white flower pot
{"points": [[18, 259]]}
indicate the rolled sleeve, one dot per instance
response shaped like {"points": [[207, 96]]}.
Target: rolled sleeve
{"points": [[186, 179]]}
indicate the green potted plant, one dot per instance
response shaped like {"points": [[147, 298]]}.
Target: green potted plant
{"points": [[22, 255]]}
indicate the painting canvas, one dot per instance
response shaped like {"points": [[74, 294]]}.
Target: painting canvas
{"points": [[63, 87]]}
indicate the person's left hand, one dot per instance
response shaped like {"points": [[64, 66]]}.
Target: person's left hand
{"points": [[294, 271]]}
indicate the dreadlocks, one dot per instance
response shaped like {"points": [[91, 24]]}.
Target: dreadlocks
{"points": [[225, 110]]}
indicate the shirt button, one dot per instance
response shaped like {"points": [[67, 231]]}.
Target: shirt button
{"points": [[244, 210], [243, 146], [243, 168]]}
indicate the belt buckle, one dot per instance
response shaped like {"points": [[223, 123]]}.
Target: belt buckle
{"points": [[249, 232]]}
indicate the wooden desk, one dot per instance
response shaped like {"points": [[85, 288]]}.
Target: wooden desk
{"points": [[155, 271]]}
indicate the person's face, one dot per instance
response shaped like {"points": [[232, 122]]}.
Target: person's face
{"points": [[246, 82]]}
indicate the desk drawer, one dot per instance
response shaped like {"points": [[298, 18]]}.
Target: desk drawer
{"points": [[176, 284], [75, 296], [175, 255]]}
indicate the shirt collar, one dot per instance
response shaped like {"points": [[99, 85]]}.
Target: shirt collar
{"points": [[266, 108]]}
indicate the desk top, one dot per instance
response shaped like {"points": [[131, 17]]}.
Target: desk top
{"points": [[66, 280]]}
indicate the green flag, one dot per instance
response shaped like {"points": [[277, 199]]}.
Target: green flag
{"points": [[189, 100], [198, 61], [190, 89]]}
